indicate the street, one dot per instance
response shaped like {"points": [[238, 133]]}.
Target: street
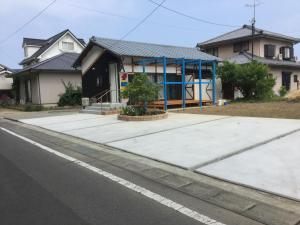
{"points": [[37, 187]]}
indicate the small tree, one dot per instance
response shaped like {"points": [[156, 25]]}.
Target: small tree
{"points": [[251, 79], [141, 91]]}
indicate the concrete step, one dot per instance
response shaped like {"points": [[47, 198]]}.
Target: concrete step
{"points": [[109, 105], [87, 111]]}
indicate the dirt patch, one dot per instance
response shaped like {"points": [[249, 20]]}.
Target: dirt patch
{"points": [[282, 109]]}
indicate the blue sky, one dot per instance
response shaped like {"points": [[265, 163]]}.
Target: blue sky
{"points": [[113, 18]]}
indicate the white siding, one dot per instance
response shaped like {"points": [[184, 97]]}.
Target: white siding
{"points": [[56, 49], [30, 50], [90, 59]]}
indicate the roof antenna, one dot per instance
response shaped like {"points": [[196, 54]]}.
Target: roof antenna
{"points": [[253, 22]]}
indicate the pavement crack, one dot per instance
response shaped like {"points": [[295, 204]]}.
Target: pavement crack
{"points": [[166, 130]]}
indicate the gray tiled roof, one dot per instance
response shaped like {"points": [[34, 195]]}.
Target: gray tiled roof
{"points": [[62, 62], [45, 45], [246, 32], [6, 68], [245, 57], [140, 49], [34, 41]]}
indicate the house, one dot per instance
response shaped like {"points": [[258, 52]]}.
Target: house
{"points": [[273, 49], [46, 67], [5, 83], [108, 65]]}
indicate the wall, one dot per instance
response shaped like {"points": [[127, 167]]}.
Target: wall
{"points": [[226, 51], [5, 83], [277, 75], [30, 50], [277, 43], [56, 49], [51, 85]]}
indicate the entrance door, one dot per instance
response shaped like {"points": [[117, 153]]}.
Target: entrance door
{"points": [[286, 80]]}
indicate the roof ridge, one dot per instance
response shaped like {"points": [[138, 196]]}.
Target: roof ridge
{"points": [[140, 42], [221, 35]]}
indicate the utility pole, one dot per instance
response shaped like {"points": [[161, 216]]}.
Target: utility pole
{"points": [[253, 21]]}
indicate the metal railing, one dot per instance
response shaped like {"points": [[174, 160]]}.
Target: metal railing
{"points": [[105, 94]]}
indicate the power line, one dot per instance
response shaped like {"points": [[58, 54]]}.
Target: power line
{"points": [[144, 19], [104, 13], [139, 24], [28, 22], [194, 18]]}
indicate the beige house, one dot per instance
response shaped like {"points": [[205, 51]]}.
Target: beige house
{"points": [[273, 49], [46, 67]]}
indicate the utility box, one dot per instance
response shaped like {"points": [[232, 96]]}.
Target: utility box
{"points": [[85, 102]]}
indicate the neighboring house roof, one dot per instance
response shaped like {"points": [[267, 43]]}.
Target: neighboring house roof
{"points": [[62, 62], [141, 49], [245, 33], [245, 57], [45, 44], [34, 41], [6, 69]]}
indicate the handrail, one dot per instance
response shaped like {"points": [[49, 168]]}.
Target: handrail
{"points": [[99, 94], [100, 99]]}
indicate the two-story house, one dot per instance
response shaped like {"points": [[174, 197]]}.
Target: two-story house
{"points": [[273, 49], [47, 65]]}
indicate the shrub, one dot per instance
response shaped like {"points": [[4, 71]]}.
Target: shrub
{"points": [[251, 79], [71, 97], [140, 91], [4, 100], [282, 91]]}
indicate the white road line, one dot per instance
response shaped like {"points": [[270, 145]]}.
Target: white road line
{"points": [[143, 191]]}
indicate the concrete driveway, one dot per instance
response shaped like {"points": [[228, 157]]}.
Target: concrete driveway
{"points": [[258, 152]]}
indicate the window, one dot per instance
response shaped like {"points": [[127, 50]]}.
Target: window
{"points": [[296, 79], [287, 52], [269, 51], [69, 46], [212, 51], [241, 46]]}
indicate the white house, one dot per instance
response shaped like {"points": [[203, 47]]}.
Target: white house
{"points": [[5, 83], [46, 67]]}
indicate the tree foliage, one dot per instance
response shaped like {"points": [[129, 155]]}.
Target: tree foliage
{"points": [[72, 95], [141, 91], [251, 79]]}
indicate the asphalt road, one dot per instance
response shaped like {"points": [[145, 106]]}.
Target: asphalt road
{"points": [[39, 188]]}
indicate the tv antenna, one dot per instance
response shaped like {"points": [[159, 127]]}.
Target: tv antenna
{"points": [[254, 5]]}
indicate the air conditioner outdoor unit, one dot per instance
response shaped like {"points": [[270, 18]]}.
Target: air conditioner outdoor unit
{"points": [[280, 57]]}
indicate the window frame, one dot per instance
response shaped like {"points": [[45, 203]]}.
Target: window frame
{"points": [[68, 44], [269, 48], [241, 46]]}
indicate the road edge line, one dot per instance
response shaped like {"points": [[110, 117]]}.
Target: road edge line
{"points": [[136, 188]]}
